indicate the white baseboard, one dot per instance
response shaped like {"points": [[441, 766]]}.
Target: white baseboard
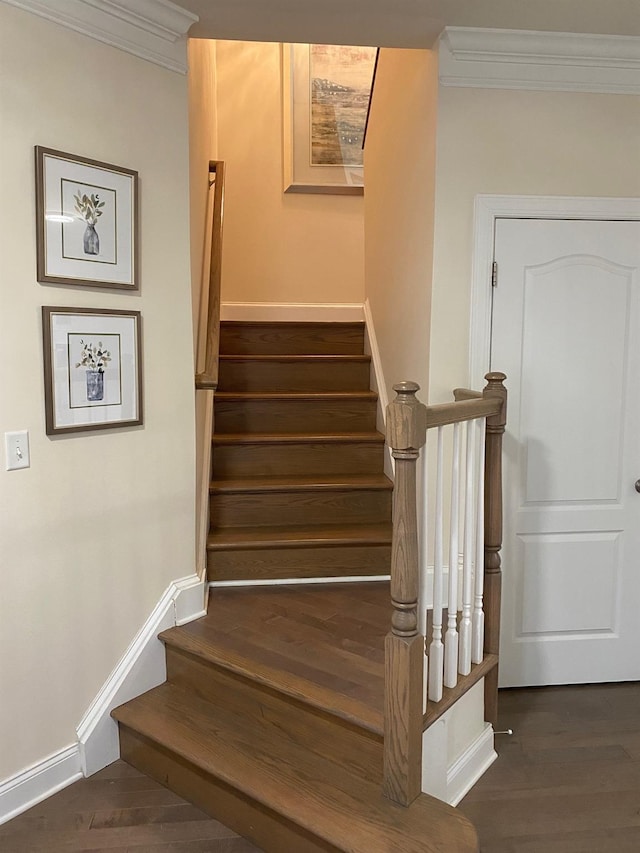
{"points": [[142, 667], [378, 384], [291, 312], [189, 599], [41, 780], [470, 766]]}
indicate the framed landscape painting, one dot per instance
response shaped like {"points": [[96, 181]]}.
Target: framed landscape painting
{"points": [[326, 92], [86, 213], [92, 369]]}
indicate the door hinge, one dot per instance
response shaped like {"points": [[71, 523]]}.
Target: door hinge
{"points": [[494, 274]]}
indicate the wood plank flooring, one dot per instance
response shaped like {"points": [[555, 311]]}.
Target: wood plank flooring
{"points": [[122, 811], [568, 781]]}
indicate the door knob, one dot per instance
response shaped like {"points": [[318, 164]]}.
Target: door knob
{"points": [[637, 485]]}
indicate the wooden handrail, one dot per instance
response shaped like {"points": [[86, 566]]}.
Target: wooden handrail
{"points": [[373, 85], [208, 378], [466, 394], [466, 410], [407, 423]]}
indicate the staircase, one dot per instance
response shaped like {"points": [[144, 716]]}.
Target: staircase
{"points": [[298, 485], [271, 718]]}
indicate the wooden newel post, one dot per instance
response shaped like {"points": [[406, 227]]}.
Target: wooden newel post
{"points": [[493, 536], [404, 646]]}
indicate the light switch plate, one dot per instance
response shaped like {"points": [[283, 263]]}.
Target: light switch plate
{"points": [[16, 445]]}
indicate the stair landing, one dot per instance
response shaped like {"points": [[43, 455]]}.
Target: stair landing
{"points": [[321, 643]]}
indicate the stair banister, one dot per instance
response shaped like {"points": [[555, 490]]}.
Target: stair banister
{"points": [[494, 394], [407, 424], [494, 390], [404, 645]]}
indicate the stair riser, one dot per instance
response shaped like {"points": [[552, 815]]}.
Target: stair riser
{"points": [[291, 376], [328, 737], [255, 460], [274, 563], [292, 339], [287, 416], [331, 506], [267, 829]]}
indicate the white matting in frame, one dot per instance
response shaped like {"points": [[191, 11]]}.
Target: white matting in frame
{"points": [[86, 215], [92, 369]]}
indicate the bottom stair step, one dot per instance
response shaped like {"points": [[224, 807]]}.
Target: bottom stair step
{"points": [[267, 786]]}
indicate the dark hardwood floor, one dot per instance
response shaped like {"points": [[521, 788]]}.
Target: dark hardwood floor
{"points": [[118, 810], [568, 781]]}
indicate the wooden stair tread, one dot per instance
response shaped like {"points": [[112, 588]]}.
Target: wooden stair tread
{"points": [[301, 484], [321, 644], [288, 358], [287, 324], [267, 765], [276, 671], [329, 396], [298, 537], [296, 438]]}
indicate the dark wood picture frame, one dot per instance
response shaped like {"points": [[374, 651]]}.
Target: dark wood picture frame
{"points": [[57, 214], [117, 402]]}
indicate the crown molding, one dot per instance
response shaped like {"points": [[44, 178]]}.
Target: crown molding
{"points": [[543, 61], [154, 30]]}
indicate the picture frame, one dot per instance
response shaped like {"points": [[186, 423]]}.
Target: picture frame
{"points": [[326, 91], [92, 369], [86, 221]]}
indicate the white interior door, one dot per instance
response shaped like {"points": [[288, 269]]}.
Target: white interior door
{"points": [[566, 330]]}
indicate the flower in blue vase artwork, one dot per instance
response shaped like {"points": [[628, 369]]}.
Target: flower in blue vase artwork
{"points": [[94, 358]]}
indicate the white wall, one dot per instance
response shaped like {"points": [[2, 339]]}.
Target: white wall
{"points": [[94, 531], [277, 247], [399, 204], [515, 142]]}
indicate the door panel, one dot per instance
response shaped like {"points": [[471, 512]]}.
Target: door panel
{"points": [[565, 331]]}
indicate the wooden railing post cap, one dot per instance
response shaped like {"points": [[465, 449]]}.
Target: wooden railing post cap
{"points": [[406, 418], [495, 377], [406, 387], [495, 389]]}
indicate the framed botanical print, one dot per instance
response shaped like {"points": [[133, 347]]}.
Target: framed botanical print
{"points": [[92, 369], [87, 225]]}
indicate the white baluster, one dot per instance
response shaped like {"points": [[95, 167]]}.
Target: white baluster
{"points": [[436, 649], [461, 479], [423, 568], [467, 566], [477, 650], [451, 637]]}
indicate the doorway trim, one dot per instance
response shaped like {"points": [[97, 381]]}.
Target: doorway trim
{"points": [[488, 208]]}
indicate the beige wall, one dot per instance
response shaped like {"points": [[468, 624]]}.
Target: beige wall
{"points": [[203, 147], [94, 531], [277, 247], [504, 142], [399, 200]]}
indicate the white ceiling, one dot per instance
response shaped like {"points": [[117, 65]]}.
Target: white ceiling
{"points": [[402, 23]]}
